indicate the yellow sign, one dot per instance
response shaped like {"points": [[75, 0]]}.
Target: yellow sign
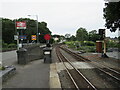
{"points": [[33, 37]]}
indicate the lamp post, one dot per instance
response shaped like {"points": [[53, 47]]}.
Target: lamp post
{"points": [[17, 33], [36, 26]]}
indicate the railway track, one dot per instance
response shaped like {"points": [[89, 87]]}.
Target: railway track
{"points": [[111, 73], [76, 56], [77, 78]]}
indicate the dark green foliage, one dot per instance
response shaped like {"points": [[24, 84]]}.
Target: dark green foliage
{"points": [[8, 30], [111, 44], [87, 46], [58, 36], [93, 36], [43, 30], [112, 15], [119, 38], [88, 43], [67, 36], [2, 68], [4, 45], [12, 45], [81, 34], [73, 38]]}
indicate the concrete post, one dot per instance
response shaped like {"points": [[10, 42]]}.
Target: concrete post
{"points": [[47, 55], [22, 56]]}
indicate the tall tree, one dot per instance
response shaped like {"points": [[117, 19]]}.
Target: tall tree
{"points": [[43, 29], [8, 30], [93, 36], [73, 38], [67, 36], [32, 29], [82, 34], [112, 15]]}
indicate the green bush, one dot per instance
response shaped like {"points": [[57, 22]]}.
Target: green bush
{"points": [[92, 49], [118, 45], [111, 44], [70, 44], [4, 45], [88, 48], [2, 68], [12, 45], [0, 41], [88, 43]]}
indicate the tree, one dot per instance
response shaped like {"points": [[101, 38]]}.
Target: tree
{"points": [[82, 34], [32, 29], [93, 36], [8, 30], [43, 29], [56, 36], [119, 38], [73, 38], [67, 36], [112, 15]]}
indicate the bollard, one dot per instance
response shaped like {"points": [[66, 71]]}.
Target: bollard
{"points": [[22, 56], [47, 55]]}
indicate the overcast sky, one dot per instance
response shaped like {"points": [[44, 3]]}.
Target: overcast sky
{"points": [[62, 16]]}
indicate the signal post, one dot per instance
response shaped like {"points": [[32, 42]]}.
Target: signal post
{"points": [[102, 37]]}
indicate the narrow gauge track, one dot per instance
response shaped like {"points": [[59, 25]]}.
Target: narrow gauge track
{"points": [[78, 79], [108, 71]]}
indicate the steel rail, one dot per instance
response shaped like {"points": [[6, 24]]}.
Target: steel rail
{"points": [[96, 64], [73, 81], [92, 61], [81, 74], [75, 55], [107, 67], [107, 72], [87, 81]]}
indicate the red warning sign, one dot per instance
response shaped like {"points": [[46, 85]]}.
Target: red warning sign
{"points": [[47, 37]]}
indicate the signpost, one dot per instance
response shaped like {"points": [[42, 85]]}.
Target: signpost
{"points": [[33, 37], [22, 37], [15, 37], [47, 37], [21, 25], [102, 37]]}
